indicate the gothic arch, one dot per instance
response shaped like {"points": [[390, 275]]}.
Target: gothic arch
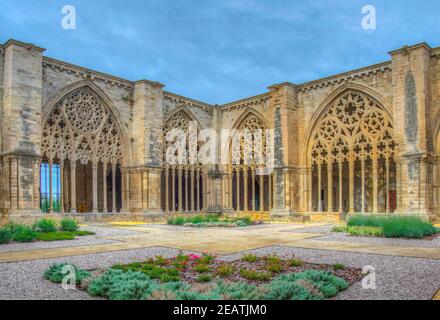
{"points": [[188, 113], [81, 131], [108, 103], [246, 113], [320, 112], [352, 133]]}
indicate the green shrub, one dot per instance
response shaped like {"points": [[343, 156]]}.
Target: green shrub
{"points": [[395, 225], [288, 290], [119, 285], [68, 224], [45, 225], [5, 235], [272, 259], [55, 236], [275, 267], [249, 258], [179, 221], [362, 231], [201, 268], [55, 273], [203, 278], [237, 291], [339, 229], [295, 262], [206, 258], [255, 275], [225, 270], [338, 266], [241, 223], [328, 284], [25, 234]]}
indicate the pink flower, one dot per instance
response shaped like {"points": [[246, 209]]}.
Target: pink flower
{"points": [[193, 257]]}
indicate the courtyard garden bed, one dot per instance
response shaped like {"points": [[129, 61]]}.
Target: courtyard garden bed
{"points": [[42, 230], [193, 277], [212, 221], [389, 226]]}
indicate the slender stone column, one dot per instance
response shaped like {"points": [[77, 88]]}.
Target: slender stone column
{"points": [[188, 189], [309, 189], [50, 187], [261, 193], [62, 186], [173, 189], [387, 189], [180, 186], [114, 188], [192, 190], [198, 188], [237, 175], [245, 189], [341, 205], [319, 188], [351, 186], [73, 186], [375, 180], [167, 199], [330, 186], [95, 186], [104, 187], [253, 191], [270, 177], [363, 185]]}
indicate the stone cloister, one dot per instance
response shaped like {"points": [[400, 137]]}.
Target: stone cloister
{"points": [[80, 142]]}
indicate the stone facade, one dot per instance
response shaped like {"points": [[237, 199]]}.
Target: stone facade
{"points": [[393, 169]]}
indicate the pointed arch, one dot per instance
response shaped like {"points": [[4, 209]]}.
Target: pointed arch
{"points": [[250, 111], [54, 100], [188, 113]]}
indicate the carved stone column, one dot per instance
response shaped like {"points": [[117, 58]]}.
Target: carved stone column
{"points": [[95, 186], [73, 186]]}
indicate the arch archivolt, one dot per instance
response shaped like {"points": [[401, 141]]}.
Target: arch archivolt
{"points": [[354, 135]]}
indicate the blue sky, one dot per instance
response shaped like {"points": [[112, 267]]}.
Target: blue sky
{"points": [[219, 51]]}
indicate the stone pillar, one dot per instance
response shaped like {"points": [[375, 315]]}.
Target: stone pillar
{"points": [[180, 187], [95, 186], [73, 186], [62, 186], [351, 167], [22, 84], [50, 187], [411, 74], [319, 188], [113, 188], [375, 182], [341, 205], [104, 187], [330, 186]]}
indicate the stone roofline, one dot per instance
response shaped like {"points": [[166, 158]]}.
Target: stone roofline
{"points": [[304, 87]]}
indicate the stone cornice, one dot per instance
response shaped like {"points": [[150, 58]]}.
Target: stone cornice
{"points": [[23, 44], [346, 76], [86, 73], [188, 102], [248, 102]]}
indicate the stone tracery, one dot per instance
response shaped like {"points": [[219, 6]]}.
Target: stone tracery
{"points": [[81, 128], [354, 133]]}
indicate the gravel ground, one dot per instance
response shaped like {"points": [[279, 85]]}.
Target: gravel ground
{"points": [[435, 243], [397, 277], [80, 241]]}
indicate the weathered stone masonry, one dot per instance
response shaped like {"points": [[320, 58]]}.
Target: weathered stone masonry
{"points": [[361, 141]]}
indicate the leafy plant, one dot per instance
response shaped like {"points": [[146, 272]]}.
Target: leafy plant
{"points": [[5, 235], [295, 262], [45, 225], [55, 273], [119, 285], [255, 275], [249, 258], [25, 234], [201, 268], [68, 224], [225, 270], [338, 266], [203, 278], [275, 267]]}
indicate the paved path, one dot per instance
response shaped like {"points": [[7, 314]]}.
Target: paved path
{"points": [[218, 241]]}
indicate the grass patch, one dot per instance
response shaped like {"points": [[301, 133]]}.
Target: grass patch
{"points": [[61, 235], [249, 258], [392, 226], [360, 231], [210, 221]]}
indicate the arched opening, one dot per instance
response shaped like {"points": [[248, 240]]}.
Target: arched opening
{"points": [[251, 184], [82, 154], [183, 182], [352, 157]]}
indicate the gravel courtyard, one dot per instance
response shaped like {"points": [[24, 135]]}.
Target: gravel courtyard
{"points": [[397, 277]]}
